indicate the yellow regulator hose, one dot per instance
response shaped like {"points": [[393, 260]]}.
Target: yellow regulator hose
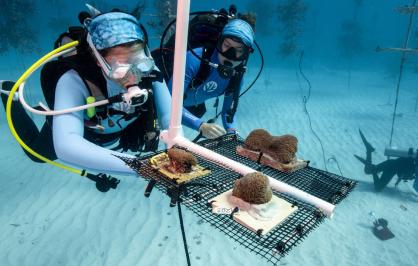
{"points": [[25, 75]]}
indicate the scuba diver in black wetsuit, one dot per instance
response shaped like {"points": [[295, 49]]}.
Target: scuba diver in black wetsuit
{"points": [[405, 166]]}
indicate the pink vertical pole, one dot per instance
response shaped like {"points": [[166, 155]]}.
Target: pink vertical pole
{"points": [[182, 29]]}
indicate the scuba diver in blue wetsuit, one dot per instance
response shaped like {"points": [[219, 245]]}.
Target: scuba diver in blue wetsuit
{"points": [[112, 62], [216, 71]]}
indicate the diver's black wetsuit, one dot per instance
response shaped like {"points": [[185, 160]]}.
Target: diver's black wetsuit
{"points": [[404, 168], [39, 141]]}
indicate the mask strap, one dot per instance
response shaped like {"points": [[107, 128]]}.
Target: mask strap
{"points": [[147, 51], [105, 66]]}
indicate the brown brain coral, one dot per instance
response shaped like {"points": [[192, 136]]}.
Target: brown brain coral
{"points": [[283, 148], [253, 188], [280, 148], [181, 160], [258, 140]]}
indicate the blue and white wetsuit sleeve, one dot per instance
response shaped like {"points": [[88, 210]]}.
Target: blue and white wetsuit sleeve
{"points": [[190, 120], [68, 130], [192, 67], [162, 99], [227, 106]]}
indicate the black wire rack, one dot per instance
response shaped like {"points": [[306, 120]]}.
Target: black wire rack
{"points": [[195, 195]]}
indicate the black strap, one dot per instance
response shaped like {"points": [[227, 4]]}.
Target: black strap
{"points": [[134, 137], [87, 70], [204, 69], [76, 33], [95, 91], [151, 115], [231, 112]]}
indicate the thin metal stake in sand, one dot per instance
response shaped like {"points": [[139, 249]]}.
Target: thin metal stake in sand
{"points": [[411, 11]]}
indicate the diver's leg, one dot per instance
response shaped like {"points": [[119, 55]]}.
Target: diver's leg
{"points": [[381, 183], [369, 168], [388, 169], [369, 147], [24, 125]]}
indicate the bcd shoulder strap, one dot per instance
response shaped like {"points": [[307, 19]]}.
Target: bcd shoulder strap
{"points": [[233, 88], [204, 69]]}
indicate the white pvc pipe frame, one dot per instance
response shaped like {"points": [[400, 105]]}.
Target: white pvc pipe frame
{"points": [[174, 136]]}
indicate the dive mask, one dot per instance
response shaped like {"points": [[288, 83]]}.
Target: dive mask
{"points": [[231, 53], [139, 65]]}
